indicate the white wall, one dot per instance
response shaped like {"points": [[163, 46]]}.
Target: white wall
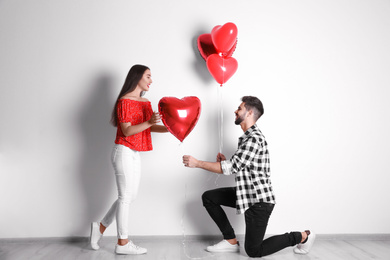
{"points": [[321, 69]]}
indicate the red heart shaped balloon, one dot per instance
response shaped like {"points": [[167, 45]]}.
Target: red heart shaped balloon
{"points": [[206, 46], [179, 115], [224, 37], [222, 69]]}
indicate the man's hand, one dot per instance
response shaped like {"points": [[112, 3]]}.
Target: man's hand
{"points": [[220, 157], [190, 161]]}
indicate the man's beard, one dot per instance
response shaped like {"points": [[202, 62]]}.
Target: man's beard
{"points": [[239, 119]]}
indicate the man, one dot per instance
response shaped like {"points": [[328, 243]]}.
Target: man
{"points": [[252, 195]]}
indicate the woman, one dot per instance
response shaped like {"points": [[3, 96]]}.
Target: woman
{"points": [[134, 118]]}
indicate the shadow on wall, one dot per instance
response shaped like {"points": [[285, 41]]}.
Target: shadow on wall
{"points": [[98, 135], [199, 63]]}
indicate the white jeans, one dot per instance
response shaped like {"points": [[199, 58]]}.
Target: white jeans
{"points": [[127, 166]]}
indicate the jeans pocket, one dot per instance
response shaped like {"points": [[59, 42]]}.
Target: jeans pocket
{"points": [[270, 207], [263, 207], [114, 154]]}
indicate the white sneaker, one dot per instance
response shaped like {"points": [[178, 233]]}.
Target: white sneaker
{"points": [[223, 246], [130, 249], [305, 248], [95, 235]]}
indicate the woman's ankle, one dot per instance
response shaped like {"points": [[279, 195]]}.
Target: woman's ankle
{"points": [[123, 242], [102, 228], [232, 241], [305, 235]]}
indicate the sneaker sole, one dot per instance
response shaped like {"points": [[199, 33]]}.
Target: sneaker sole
{"points": [[132, 253], [223, 250]]}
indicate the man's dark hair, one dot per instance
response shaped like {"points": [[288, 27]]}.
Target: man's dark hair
{"points": [[254, 104]]}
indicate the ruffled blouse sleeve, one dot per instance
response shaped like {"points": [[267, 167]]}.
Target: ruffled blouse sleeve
{"points": [[123, 111]]}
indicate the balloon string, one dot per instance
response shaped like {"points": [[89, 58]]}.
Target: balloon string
{"points": [[220, 119], [184, 241], [223, 70]]}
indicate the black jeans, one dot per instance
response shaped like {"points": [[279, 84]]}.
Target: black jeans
{"points": [[256, 220]]}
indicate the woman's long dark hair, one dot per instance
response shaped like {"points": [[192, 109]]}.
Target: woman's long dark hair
{"points": [[133, 77]]}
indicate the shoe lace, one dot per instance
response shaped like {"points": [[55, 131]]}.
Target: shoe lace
{"points": [[220, 243], [134, 245]]}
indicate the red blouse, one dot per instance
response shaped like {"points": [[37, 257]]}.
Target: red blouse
{"points": [[134, 112]]}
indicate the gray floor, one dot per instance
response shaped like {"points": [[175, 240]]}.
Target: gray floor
{"points": [[172, 248]]}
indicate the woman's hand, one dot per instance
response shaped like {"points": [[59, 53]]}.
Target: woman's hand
{"points": [[155, 119], [128, 129]]}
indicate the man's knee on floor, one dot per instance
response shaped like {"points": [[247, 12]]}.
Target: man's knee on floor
{"points": [[253, 252]]}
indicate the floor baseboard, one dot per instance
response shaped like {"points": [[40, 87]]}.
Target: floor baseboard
{"points": [[76, 239]]}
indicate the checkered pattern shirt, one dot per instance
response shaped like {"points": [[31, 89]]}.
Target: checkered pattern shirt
{"points": [[251, 165]]}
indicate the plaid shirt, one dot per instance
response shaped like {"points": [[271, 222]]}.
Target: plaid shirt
{"points": [[251, 165]]}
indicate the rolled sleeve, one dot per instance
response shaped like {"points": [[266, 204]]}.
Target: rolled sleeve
{"points": [[226, 167]]}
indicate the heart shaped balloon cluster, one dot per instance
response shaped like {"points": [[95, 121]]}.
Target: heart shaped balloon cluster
{"points": [[217, 49], [179, 115]]}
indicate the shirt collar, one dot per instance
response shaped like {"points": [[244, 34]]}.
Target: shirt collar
{"points": [[249, 132]]}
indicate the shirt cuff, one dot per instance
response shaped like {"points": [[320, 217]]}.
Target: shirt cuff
{"points": [[226, 167]]}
